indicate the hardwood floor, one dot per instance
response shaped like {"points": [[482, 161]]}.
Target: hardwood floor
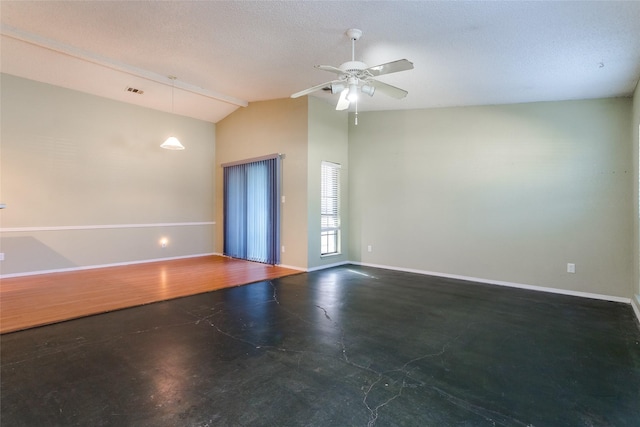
{"points": [[38, 300]]}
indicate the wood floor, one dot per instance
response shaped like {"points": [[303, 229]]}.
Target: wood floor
{"points": [[38, 300]]}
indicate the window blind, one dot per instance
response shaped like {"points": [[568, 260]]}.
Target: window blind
{"points": [[330, 208], [252, 210]]}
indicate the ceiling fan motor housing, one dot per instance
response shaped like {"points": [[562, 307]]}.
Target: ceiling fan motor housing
{"points": [[353, 66]]}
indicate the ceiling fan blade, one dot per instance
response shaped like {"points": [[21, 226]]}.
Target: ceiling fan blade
{"points": [[387, 89], [313, 89], [343, 102], [390, 67], [329, 68]]}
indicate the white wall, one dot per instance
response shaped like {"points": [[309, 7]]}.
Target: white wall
{"points": [[72, 161], [505, 193], [328, 141]]}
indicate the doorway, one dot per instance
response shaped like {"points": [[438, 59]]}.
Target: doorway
{"points": [[252, 209]]}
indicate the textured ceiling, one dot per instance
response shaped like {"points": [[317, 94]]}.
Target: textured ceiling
{"points": [[226, 54]]}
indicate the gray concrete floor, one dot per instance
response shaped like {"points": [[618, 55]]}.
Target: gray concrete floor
{"points": [[348, 346]]}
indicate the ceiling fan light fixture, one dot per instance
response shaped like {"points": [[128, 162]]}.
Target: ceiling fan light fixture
{"points": [[369, 90], [337, 88], [353, 93], [172, 143]]}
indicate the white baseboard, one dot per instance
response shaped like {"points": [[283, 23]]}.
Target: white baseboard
{"points": [[323, 267], [635, 303], [293, 267], [503, 283], [91, 267]]}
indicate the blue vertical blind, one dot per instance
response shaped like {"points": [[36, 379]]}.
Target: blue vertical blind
{"points": [[252, 210]]}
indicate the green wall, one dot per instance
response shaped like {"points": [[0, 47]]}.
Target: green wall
{"points": [[635, 155], [506, 194], [500, 193], [328, 141], [86, 183]]}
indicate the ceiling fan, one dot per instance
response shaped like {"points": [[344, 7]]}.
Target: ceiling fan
{"points": [[355, 76]]}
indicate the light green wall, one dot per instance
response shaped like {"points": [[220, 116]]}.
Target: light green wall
{"points": [[262, 128], [636, 192], [328, 141], [70, 159], [503, 193]]}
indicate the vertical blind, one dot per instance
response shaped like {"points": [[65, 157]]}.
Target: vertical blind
{"points": [[329, 208], [252, 210]]}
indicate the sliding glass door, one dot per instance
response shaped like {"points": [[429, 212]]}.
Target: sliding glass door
{"points": [[252, 209]]}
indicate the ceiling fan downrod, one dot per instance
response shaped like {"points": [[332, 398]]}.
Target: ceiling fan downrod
{"points": [[354, 34]]}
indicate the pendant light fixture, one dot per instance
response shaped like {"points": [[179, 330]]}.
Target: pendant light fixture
{"points": [[172, 142]]}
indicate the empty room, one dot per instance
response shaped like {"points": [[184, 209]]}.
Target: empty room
{"points": [[319, 213]]}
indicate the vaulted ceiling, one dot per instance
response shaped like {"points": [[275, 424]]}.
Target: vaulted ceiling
{"points": [[226, 54]]}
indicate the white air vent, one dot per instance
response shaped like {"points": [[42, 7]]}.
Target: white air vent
{"points": [[134, 90]]}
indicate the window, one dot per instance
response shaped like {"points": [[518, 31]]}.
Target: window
{"points": [[330, 209]]}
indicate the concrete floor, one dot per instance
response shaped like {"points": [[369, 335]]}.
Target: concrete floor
{"points": [[348, 346]]}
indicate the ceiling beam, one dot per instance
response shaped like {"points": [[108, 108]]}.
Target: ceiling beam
{"points": [[84, 55]]}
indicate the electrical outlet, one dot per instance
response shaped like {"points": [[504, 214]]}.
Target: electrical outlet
{"points": [[369, 248], [282, 248], [1, 256], [571, 268]]}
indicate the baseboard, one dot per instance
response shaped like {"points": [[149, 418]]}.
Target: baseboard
{"points": [[503, 283], [293, 267], [323, 267], [91, 267], [635, 303]]}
